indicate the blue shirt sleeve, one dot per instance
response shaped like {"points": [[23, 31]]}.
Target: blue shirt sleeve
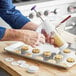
{"points": [[11, 15], [2, 32]]}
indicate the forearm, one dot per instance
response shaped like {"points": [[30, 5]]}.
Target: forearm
{"points": [[30, 26], [10, 35]]}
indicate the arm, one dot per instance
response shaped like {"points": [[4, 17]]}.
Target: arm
{"points": [[29, 37], [14, 17], [10, 35], [16, 20], [30, 26]]}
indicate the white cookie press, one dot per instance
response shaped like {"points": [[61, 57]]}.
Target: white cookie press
{"points": [[50, 29]]}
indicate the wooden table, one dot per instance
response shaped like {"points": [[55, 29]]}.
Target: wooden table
{"points": [[45, 70]]}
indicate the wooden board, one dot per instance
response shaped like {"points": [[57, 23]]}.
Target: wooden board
{"points": [[45, 70]]}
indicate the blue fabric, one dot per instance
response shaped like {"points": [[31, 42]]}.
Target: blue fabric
{"points": [[11, 15], [2, 31]]}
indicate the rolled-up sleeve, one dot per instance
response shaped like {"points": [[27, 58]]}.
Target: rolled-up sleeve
{"points": [[11, 15], [2, 32]]}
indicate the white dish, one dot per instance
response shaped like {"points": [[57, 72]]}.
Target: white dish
{"points": [[32, 69], [9, 59]]}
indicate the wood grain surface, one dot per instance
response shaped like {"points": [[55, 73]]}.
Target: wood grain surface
{"points": [[44, 69]]}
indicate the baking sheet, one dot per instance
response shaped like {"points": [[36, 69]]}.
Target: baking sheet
{"points": [[42, 47]]}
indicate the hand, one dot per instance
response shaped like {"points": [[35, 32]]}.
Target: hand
{"points": [[48, 39], [31, 37]]}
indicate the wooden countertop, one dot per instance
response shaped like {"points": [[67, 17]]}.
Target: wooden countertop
{"points": [[45, 70]]}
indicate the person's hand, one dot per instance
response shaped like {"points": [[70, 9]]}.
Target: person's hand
{"points": [[31, 37], [48, 39]]}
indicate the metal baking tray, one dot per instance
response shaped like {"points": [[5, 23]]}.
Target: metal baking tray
{"points": [[43, 47]]}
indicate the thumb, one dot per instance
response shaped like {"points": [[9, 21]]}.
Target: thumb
{"points": [[44, 32]]}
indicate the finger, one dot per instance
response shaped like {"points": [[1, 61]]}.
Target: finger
{"points": [[42, 36], [33, 44], [43, 32], [47, 39], [37, 40], [41, 40], [52, 41], [34, 40]]}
